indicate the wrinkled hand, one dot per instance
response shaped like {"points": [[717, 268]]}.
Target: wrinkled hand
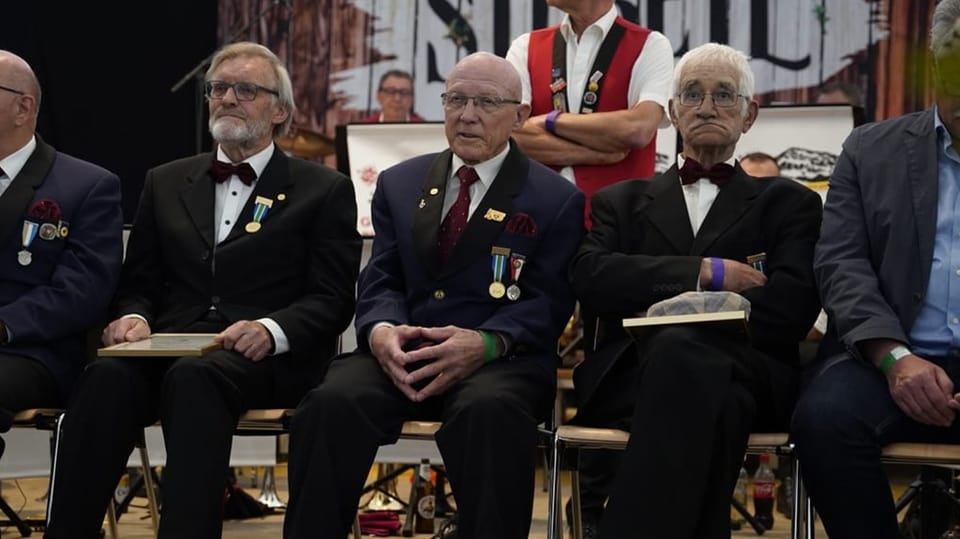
{"points": [[251, 339], [387, 344], [125, 330], [458, 354], [923, 391]]}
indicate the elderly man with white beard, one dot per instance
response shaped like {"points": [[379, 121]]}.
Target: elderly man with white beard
{"points": [[244, 242]]}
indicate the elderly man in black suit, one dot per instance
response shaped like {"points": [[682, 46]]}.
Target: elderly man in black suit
{"points": [[245, 242], [885, 264], [691, 395]]}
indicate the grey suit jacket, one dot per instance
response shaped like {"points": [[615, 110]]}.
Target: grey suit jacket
{"points": [[872, 262]]}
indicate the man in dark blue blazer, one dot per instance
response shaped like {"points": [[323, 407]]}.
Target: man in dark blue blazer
{"points": [[244, 242], [886, 263], [690, 395], [458, 316], [61, 246]]}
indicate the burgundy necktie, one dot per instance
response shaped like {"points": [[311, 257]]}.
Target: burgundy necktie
{"points": [[691, 171], [221, 172], [456, 218]]}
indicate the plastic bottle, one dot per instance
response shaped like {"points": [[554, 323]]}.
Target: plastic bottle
{"points": [[764, 491], [739, 495], [426, 501]]}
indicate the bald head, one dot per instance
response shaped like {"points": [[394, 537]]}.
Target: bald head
{"points": [[17, 74], [484, 65], [19, 102]]}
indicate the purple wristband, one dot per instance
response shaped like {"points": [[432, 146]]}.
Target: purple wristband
{"points": [[551, 121], [716, 274]]}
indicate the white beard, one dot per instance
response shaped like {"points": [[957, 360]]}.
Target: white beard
{"points": [[232, 131]]}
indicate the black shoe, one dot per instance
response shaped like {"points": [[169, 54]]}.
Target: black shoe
{"points": [[589, 522]]}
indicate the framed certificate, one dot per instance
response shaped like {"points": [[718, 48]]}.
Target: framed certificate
{"points": [[164, 345]]}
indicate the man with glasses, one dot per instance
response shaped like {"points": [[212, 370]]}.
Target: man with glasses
{"points": [[886, 263], [691, 394], [395, 95], [60, 250], [243, 242], [458, 315]]}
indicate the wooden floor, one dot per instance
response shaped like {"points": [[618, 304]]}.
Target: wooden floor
{"points": [[25, 495]]}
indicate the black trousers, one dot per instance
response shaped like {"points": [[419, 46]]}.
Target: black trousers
{"points": [[487, 441], [698, 395], [198, 401]]}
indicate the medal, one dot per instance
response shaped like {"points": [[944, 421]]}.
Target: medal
{"points": [[260, 208], [24, 257], [48, 231], [497, 290], [27, 235], [253, 227], [590, 98], [513, 292], [498, 265], [516, 266]]}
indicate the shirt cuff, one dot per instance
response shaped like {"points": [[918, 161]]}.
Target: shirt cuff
{"points": [[134, 315], [280, 343], [374, 328]]}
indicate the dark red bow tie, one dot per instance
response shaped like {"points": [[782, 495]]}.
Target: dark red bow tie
{"points": [[221, 172], [691, 171]]}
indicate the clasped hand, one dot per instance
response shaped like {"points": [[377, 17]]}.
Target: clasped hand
{"points": [[923, 391], [245, 337], [450, 354]]}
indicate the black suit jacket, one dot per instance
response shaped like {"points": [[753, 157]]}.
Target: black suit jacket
{"points": [[642, 250], [299, 269]]}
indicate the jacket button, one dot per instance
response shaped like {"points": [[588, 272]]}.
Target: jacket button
{"points": [[205, 256], [439, 294]]}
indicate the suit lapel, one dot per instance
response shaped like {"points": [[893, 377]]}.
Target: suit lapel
{"points": [[731, 203], [921, 154], [427, 213], [16, 199], [275, 178], [667, 210], [481, 231], [197, 196]]}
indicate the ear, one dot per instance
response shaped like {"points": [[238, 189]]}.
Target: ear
{"points": [[753, 110], [523, 112], [672, 111], [25, 108], [280, 115]]}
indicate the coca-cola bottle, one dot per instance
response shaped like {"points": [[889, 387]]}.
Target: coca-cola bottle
{"points": [[764, 492], [426, 501]]}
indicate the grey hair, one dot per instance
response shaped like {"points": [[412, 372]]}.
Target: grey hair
{"points": [[945, 31], [284, 85], [715, 53]]}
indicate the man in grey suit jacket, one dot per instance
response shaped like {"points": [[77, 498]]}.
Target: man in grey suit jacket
{"points": [[885, 264], [262, 251]]}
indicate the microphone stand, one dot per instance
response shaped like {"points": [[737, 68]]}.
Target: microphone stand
{"points": [[198, 71]]}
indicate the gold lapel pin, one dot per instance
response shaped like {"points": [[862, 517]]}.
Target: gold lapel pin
{"points": [[494, 215]]}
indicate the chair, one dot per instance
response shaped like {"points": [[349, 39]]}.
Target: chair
{"points": [[41, 419], [568, 440]]}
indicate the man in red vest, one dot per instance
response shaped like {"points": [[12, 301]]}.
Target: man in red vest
{"points": [[598, 86]]}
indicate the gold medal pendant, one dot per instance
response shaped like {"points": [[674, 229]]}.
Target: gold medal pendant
{"points": [[497, 290], [252, 227]]}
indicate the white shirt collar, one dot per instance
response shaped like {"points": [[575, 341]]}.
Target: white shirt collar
{"points": [[258, 160], [603, 24], [486, 170], [14, 163]]}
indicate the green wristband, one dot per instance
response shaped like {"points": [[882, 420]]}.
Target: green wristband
{"points": [[892, 357], [489, 346]]}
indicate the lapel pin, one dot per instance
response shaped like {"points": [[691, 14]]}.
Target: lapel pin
{"points": [[494, 215], [434, 190]]}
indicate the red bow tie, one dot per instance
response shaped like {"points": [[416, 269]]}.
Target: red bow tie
{"points": [[221, 172], [691, 171]]}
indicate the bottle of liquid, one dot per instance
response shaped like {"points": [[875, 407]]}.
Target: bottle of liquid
{"points": [[740, 496], [764, 492], [426, 500]]}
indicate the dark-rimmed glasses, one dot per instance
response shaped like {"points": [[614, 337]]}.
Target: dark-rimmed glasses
{"points": [[244, 91], [723, 99], [487, 103], [12, 90]]}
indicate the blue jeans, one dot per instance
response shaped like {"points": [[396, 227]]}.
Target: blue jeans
{"points": [[841, 422]]}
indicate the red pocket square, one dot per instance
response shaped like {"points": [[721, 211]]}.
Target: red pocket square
{"points": [[522, 224], [44, 210]]}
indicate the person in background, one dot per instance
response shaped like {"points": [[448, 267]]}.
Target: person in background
{"points": [[597, 86], [395, 95], [458, 315], [760, 165], [690, 395], [244, 242], [61, 246], [886, 264]]}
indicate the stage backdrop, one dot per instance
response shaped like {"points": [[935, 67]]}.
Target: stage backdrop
{"points": [[337, 49]]}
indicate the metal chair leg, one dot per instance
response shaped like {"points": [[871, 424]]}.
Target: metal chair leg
{"points": [[268, 493], [149, 487], [112, 519], [577, 524], [554, 512], [53, 465]]}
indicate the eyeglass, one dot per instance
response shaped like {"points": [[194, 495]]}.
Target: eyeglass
{"points": [[397, 92], [244, 91], [486, 103], [721, 98], [18, 92]]}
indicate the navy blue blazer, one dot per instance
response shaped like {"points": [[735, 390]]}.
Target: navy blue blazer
{"points": [[879, 224], [528, 209], [50, 304]]}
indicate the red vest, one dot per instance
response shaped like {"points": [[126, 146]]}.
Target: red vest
{"points": [[613, 96]]}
